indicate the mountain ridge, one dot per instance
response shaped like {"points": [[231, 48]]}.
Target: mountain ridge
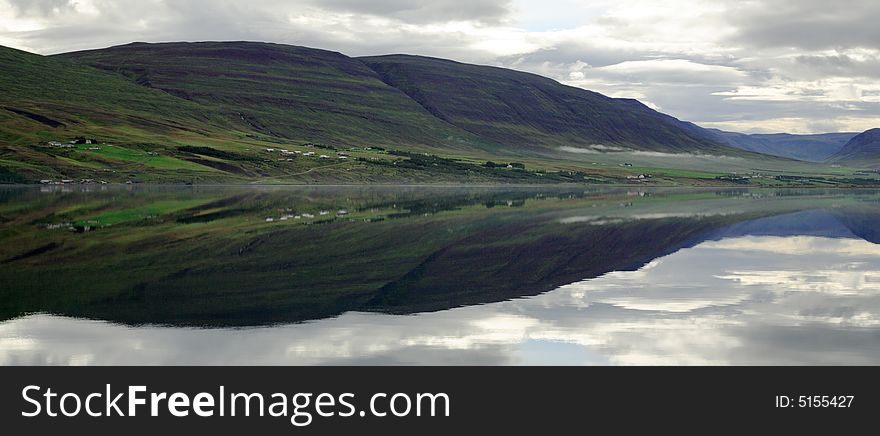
{"points": [[280, 90], [524, 109]]}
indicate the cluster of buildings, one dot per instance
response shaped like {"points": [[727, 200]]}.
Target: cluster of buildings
{"points": [[71, 144], [70, 182], [59, 144], [291, 153], [640, 177], [339, 214]]}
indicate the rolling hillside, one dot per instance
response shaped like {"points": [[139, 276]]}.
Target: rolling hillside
{"points": [[47, 100], [864, 148], [282, 91], [54, 93]]}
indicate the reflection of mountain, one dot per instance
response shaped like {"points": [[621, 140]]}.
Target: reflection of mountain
{"points": [[851, 223], [752, 300], [239, 270], [804, 223], [514, 262], [398, 266], [863, 224]]}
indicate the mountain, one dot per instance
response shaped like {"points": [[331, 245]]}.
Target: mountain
{"points": [[811, 148], [282, 91], [863, 148], [216, 112], [317, 95], [532, 112]]}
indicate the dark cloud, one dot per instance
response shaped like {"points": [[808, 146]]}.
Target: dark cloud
{"points": [[806, 24], [817, 66], [425, 11], [40, 7]]}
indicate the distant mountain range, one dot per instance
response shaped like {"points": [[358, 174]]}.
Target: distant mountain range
{"points": [[164, 98], [811, 148]]}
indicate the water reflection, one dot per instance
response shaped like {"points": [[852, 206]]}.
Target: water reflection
{"points": [[714, 280]]}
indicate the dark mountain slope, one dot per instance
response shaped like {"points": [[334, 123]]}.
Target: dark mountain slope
{"points": [[530, 111], [494, 266], [282, 91], [864, 148]]}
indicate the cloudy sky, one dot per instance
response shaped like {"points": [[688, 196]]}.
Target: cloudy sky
{"points": [[799, 66]]}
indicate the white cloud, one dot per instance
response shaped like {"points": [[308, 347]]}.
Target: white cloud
{"points": [[796, 125], [796, 245], [675, 70]]}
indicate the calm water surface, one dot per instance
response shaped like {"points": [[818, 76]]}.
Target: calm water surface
{"points": [[419, 275]]}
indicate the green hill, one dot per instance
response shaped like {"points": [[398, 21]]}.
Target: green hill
{"points": [[58, 93], [53, 100], [283, 91]]}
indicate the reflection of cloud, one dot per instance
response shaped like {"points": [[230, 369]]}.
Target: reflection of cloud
{"points": [[602, 220], [702, 341], [672, 304], [748, 300], [835, 282], [797, 245]]}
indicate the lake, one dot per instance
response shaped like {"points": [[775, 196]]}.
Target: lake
{"points": [[116, 275]]}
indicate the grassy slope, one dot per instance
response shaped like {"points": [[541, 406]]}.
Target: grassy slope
{"points": [[284, 91], [145, 132], [46, 99]]}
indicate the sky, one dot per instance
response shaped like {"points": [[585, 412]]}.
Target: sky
{"points": [[797, 66]]}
